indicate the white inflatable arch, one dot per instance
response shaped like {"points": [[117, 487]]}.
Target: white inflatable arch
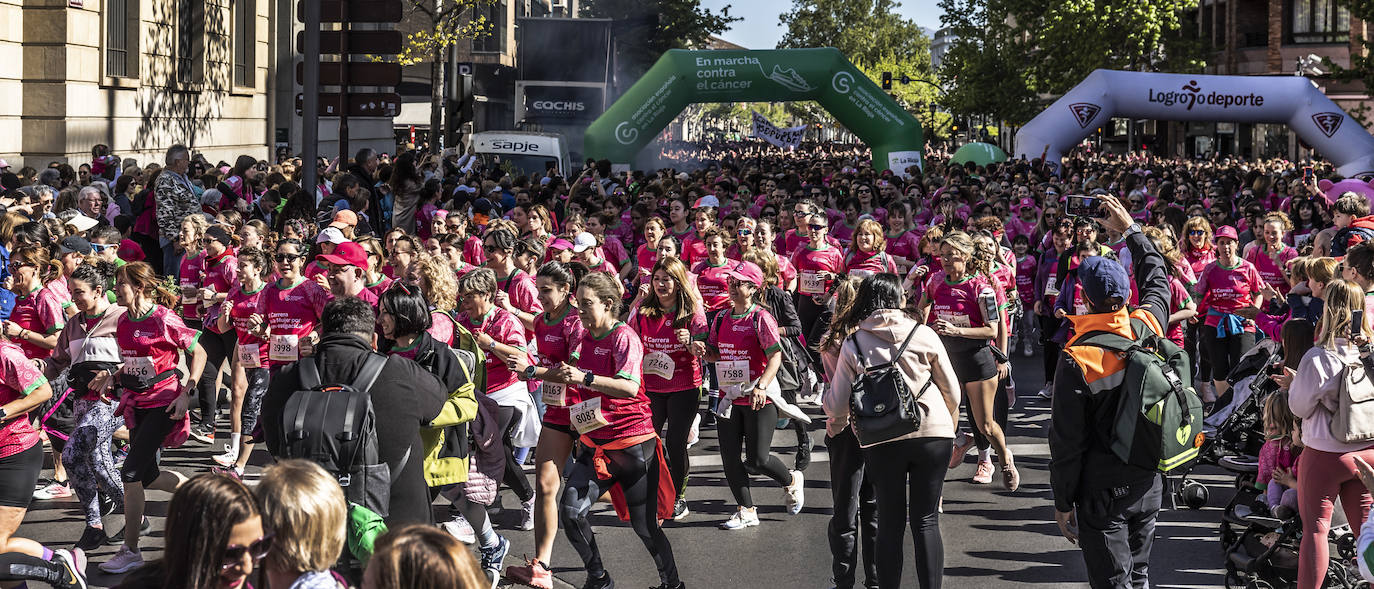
{"points": [[1292, 100]]}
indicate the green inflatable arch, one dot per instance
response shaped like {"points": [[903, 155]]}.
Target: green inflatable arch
{"points": [[824, 74]]}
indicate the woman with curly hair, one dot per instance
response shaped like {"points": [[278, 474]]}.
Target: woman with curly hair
{"points": [[440, 287]]}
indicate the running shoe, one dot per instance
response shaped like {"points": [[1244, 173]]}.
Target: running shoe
{"points": [[229, 457], [230, 471], [983, 475], [744, 517], [459, 528], [54, 490], [108, 505], [124, 561], [680, 510], [796, 493], [1046, 392], [91, 539], [602, 582], [75, 563], [1011, 478], [527, 515], [118, 538], [961, 446], [204, 433], [679, 585], [803, 457], [533, 573], [495, 556], [1028, 352]]}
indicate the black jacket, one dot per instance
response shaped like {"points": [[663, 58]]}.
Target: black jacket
{"points": [[405, 398], [370, 183], [1081, 464]]}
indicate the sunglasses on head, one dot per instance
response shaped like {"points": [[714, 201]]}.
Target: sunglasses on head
{"points": [[233, 553]]}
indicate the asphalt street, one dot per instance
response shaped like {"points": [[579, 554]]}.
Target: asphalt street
{"points": [[992, 538]]}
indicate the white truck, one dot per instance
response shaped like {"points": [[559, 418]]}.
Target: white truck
{"points": [[521, 152]]}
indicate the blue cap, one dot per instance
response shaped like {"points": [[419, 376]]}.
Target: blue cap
{"points": [[1103, 278]]}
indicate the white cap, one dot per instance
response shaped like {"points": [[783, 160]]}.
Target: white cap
{"points": [[331, 235], [584, 242], [4, 164], [82, 223]]}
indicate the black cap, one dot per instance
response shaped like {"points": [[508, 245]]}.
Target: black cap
{"points": [[74, 244], [219, 234]]}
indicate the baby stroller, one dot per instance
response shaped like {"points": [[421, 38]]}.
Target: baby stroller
{"points": [[1235, 433], [1265, 554]]}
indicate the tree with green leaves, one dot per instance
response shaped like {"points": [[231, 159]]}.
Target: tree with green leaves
{"points": [[985, 73], [645, 29], [1076, 37], [1361, 67], [866, 31], [444, 23]]}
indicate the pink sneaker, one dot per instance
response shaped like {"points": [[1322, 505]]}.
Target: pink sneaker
{"points": [[984, 474], [961, 446]]}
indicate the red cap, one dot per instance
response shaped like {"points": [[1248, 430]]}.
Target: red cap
{"points": [[747, 272], [348, 253], [1226, 231]]}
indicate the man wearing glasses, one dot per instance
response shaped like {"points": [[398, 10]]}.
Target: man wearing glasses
{"points": [[175, 201]]}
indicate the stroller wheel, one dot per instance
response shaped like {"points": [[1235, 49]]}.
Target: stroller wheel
{"points": [[1228, 536], [1192, 493]]}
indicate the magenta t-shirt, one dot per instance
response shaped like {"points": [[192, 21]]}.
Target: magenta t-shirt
{"points": [[646, 256], [441, 327], [221, 275], [1026, 268], [737, 338], [1269, 270], [40, 312], [293, 311], [863, 265], [711, 283], [151, 345], [473, 252], [843, 231], [380, 286], [957, 302], [192, 274], [791, 242], [504, 328], [21, 377], [557, 338], [693, 250], [786, 271], [810, 261], [668, 355], [246, 304], [905, 245], [1199, 259], [1227, 289], [618, 354], [519, 285]]}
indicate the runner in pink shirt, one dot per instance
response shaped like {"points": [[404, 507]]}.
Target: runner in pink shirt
{"points": [[818, 264], [294, 306], [1270, 255], [646, 255], [37, 316], [241, 310], [218, 275], [903, 241], [516, 293], [704, 217], [868, 252], [1227, 287], [746, 347], [712, 270]]}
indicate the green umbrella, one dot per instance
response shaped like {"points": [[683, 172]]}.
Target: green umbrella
{"points": [[979, 153]]}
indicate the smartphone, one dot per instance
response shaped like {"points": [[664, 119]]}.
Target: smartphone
{"points": [[1356, 322], [1307, 173], [1083, 206]]}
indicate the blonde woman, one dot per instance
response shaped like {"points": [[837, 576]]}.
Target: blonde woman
{"points": [[868, 251], [304, 507]]}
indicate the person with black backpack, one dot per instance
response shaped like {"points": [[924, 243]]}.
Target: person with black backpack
{"points": [[1105, 462], [398, 398]]}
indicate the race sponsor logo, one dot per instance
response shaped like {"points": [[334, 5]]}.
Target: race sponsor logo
{"points": [[1328, 122], [1191, 94], [1084, 112]]}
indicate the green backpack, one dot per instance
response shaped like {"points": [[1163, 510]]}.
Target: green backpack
{"points": [[1152, 414]]}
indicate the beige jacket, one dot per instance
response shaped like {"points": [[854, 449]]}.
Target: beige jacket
{"points": [[879, 336]]}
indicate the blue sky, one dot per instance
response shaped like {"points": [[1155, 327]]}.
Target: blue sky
{"points": [[760, 28]]}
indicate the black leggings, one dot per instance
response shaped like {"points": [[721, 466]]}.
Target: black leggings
{"points": [[677, 410], [907, 477], [17, 566], [218, 347], [514, 477], [1000, 407], [636, 470], [1225, 352], [749, 432], [815, 319], [145, 445], [1049, 327]]}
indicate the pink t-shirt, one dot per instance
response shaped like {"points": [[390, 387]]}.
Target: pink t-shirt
{"points": [[843, 231], [1199, 259], [21, 377], [693, 250], [192, 275], [617, 354], [222, 275], [810, 261], [1026, 268], [786, 271], [711, 283], [519, 285], [246, 304], [791, 242], [957, 302], [906, 244], [40, 312], [738, 339], [294, 310], [473, 252], [1227, 289], [314, 269], [646, 257], [151, 345], [864, 265], [1270, 270], [660, 341], [380, 286], [557, 338], [504, 328], [441, 327]]}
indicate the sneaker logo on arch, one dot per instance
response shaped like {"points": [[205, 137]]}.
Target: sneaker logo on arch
{"points": [[1084, 112], [1328, 122]]}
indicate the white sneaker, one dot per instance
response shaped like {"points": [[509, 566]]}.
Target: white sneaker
{"points": [[75, 561], [796, 493], [527, 515], [229, 457], [694, 434], [54, 490], [124, 561], [459, 528], [744, 517], [1046, 392]]}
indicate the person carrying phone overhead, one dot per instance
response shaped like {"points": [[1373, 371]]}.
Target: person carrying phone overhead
{"points": [[1105, 505]]}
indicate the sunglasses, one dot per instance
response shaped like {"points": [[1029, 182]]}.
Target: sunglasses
{"points": [[233, 553], [490, 248], [744, 232], [816, 227], [100, 247], [285, 258], [14, 267], [1197, 232]]}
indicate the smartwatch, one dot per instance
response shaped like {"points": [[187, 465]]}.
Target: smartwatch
{"points": [[587, 379], [528, 372]]}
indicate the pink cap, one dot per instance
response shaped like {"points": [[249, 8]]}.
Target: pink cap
{"points": [[560, 244], [1026, 203], [747, 272], [348, 253], [1226, 231]]}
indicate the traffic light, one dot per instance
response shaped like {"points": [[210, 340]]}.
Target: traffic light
{"points": [[887, 80]]}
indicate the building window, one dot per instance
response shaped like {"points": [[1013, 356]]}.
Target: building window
{"points": [[121, 38], [190, 50], [1320, 21], [245, 42], [495, 42]]}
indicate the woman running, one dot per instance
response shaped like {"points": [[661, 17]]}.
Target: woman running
{"points": [[294, 307], [236, 316], [711, 272], [818, 264], [672, 327], [152, 340], [966, 302], [516, 293], [620, 450], [1269, 254], [746, 348], [1229, 289], [219, 270], [34, 324], [557, 331], [765, 236]]}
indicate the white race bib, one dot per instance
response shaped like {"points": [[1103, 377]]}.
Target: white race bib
{"points": [[659, 364], [1080, 309], [811, 283], [955, 319], [139, 367], [250, 355], [587, 417], [732, 373], [285, 348], [555, 394]]}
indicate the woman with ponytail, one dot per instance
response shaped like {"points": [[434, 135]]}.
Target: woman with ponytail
{"points": [[154, 394], [219, 274], [37, 314]]}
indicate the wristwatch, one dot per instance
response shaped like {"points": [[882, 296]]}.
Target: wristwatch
{"points": [[4, 415], [1133, 228], [528, 372], [587, 379]]}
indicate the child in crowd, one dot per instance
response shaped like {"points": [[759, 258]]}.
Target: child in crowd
{"points": [[1278, 457]]}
